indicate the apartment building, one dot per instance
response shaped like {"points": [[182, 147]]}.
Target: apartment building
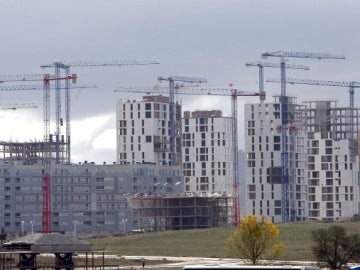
{"points": [[144, 137], [322, 157], [333, 161], [264, 152], [143, 131], [85, 197], [207, 153]]}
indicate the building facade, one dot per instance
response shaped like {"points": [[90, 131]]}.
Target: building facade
{"points": [[322, 159], [207, 153], [333, 164], [84, 197], [143, 131], [263, 147]]}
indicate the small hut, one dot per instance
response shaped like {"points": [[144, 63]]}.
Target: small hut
{"points": [[30, 246]]}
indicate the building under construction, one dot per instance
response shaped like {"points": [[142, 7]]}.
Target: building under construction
{"points": [[180, 213], [334, 122], [30, 153], [333, 162]]}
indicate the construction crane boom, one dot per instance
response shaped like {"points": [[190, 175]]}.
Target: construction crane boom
{"points": [[172, 80], [261, 66], [351, 85], [233, 93], [17, 106], [302, 55], [196, 91], [25, 87], [275, 65], [98, 63], [65, 66], [20, 77], [285, 201]]}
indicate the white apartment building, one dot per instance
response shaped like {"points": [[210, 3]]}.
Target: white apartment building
{"points": [[207, 153], [143, 131], [263, 147], [203, 144], [333, 161]]}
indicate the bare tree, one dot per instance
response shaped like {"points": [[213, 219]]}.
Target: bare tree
{"points": [[334, 247]]}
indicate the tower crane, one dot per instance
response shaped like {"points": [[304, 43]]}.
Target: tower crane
{"points": [[172, 80], [261, 66], [65, 66], [234, 94], [285, 196], [46, 214]]}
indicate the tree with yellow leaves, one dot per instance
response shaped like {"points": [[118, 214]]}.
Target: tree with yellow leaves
{"points": [[255, 239]]}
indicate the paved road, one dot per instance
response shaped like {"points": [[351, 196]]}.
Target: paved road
{"points": [[177, 262], [180, 262]]}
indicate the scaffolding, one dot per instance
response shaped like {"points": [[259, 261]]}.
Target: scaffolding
{"points": [[180, 213]]}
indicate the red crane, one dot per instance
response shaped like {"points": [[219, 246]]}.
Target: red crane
{"points": [[46, 214], [46, 78], [234, 94]]}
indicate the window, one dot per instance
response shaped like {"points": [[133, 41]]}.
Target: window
{"points": [[148, 138], [328, 151], [252, 188], [315, 144], [328, 143]]}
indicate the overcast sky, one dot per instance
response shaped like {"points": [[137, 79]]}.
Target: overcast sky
{"points": [[196, 38]]}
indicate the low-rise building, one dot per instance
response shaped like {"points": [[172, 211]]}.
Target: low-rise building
{"points": [[84, 197]]}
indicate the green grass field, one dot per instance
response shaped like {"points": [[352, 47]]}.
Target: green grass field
{"points": [[211, 242]]}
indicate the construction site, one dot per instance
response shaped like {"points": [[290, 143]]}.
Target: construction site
{"points": [[30, 153], [181, 213], [180, 206], [174, 211]]}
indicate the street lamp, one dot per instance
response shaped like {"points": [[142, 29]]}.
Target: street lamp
{"points": [[124, 222], [75, 222], [152, 224], [22, 228], [32, 226]]}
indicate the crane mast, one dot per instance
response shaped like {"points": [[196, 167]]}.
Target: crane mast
{"points": [[46, 215], [65, 66], [285, 196], [172, 80], [233, 94]]}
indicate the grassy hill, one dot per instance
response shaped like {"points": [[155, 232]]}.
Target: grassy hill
{"points": [[211, 242]]}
